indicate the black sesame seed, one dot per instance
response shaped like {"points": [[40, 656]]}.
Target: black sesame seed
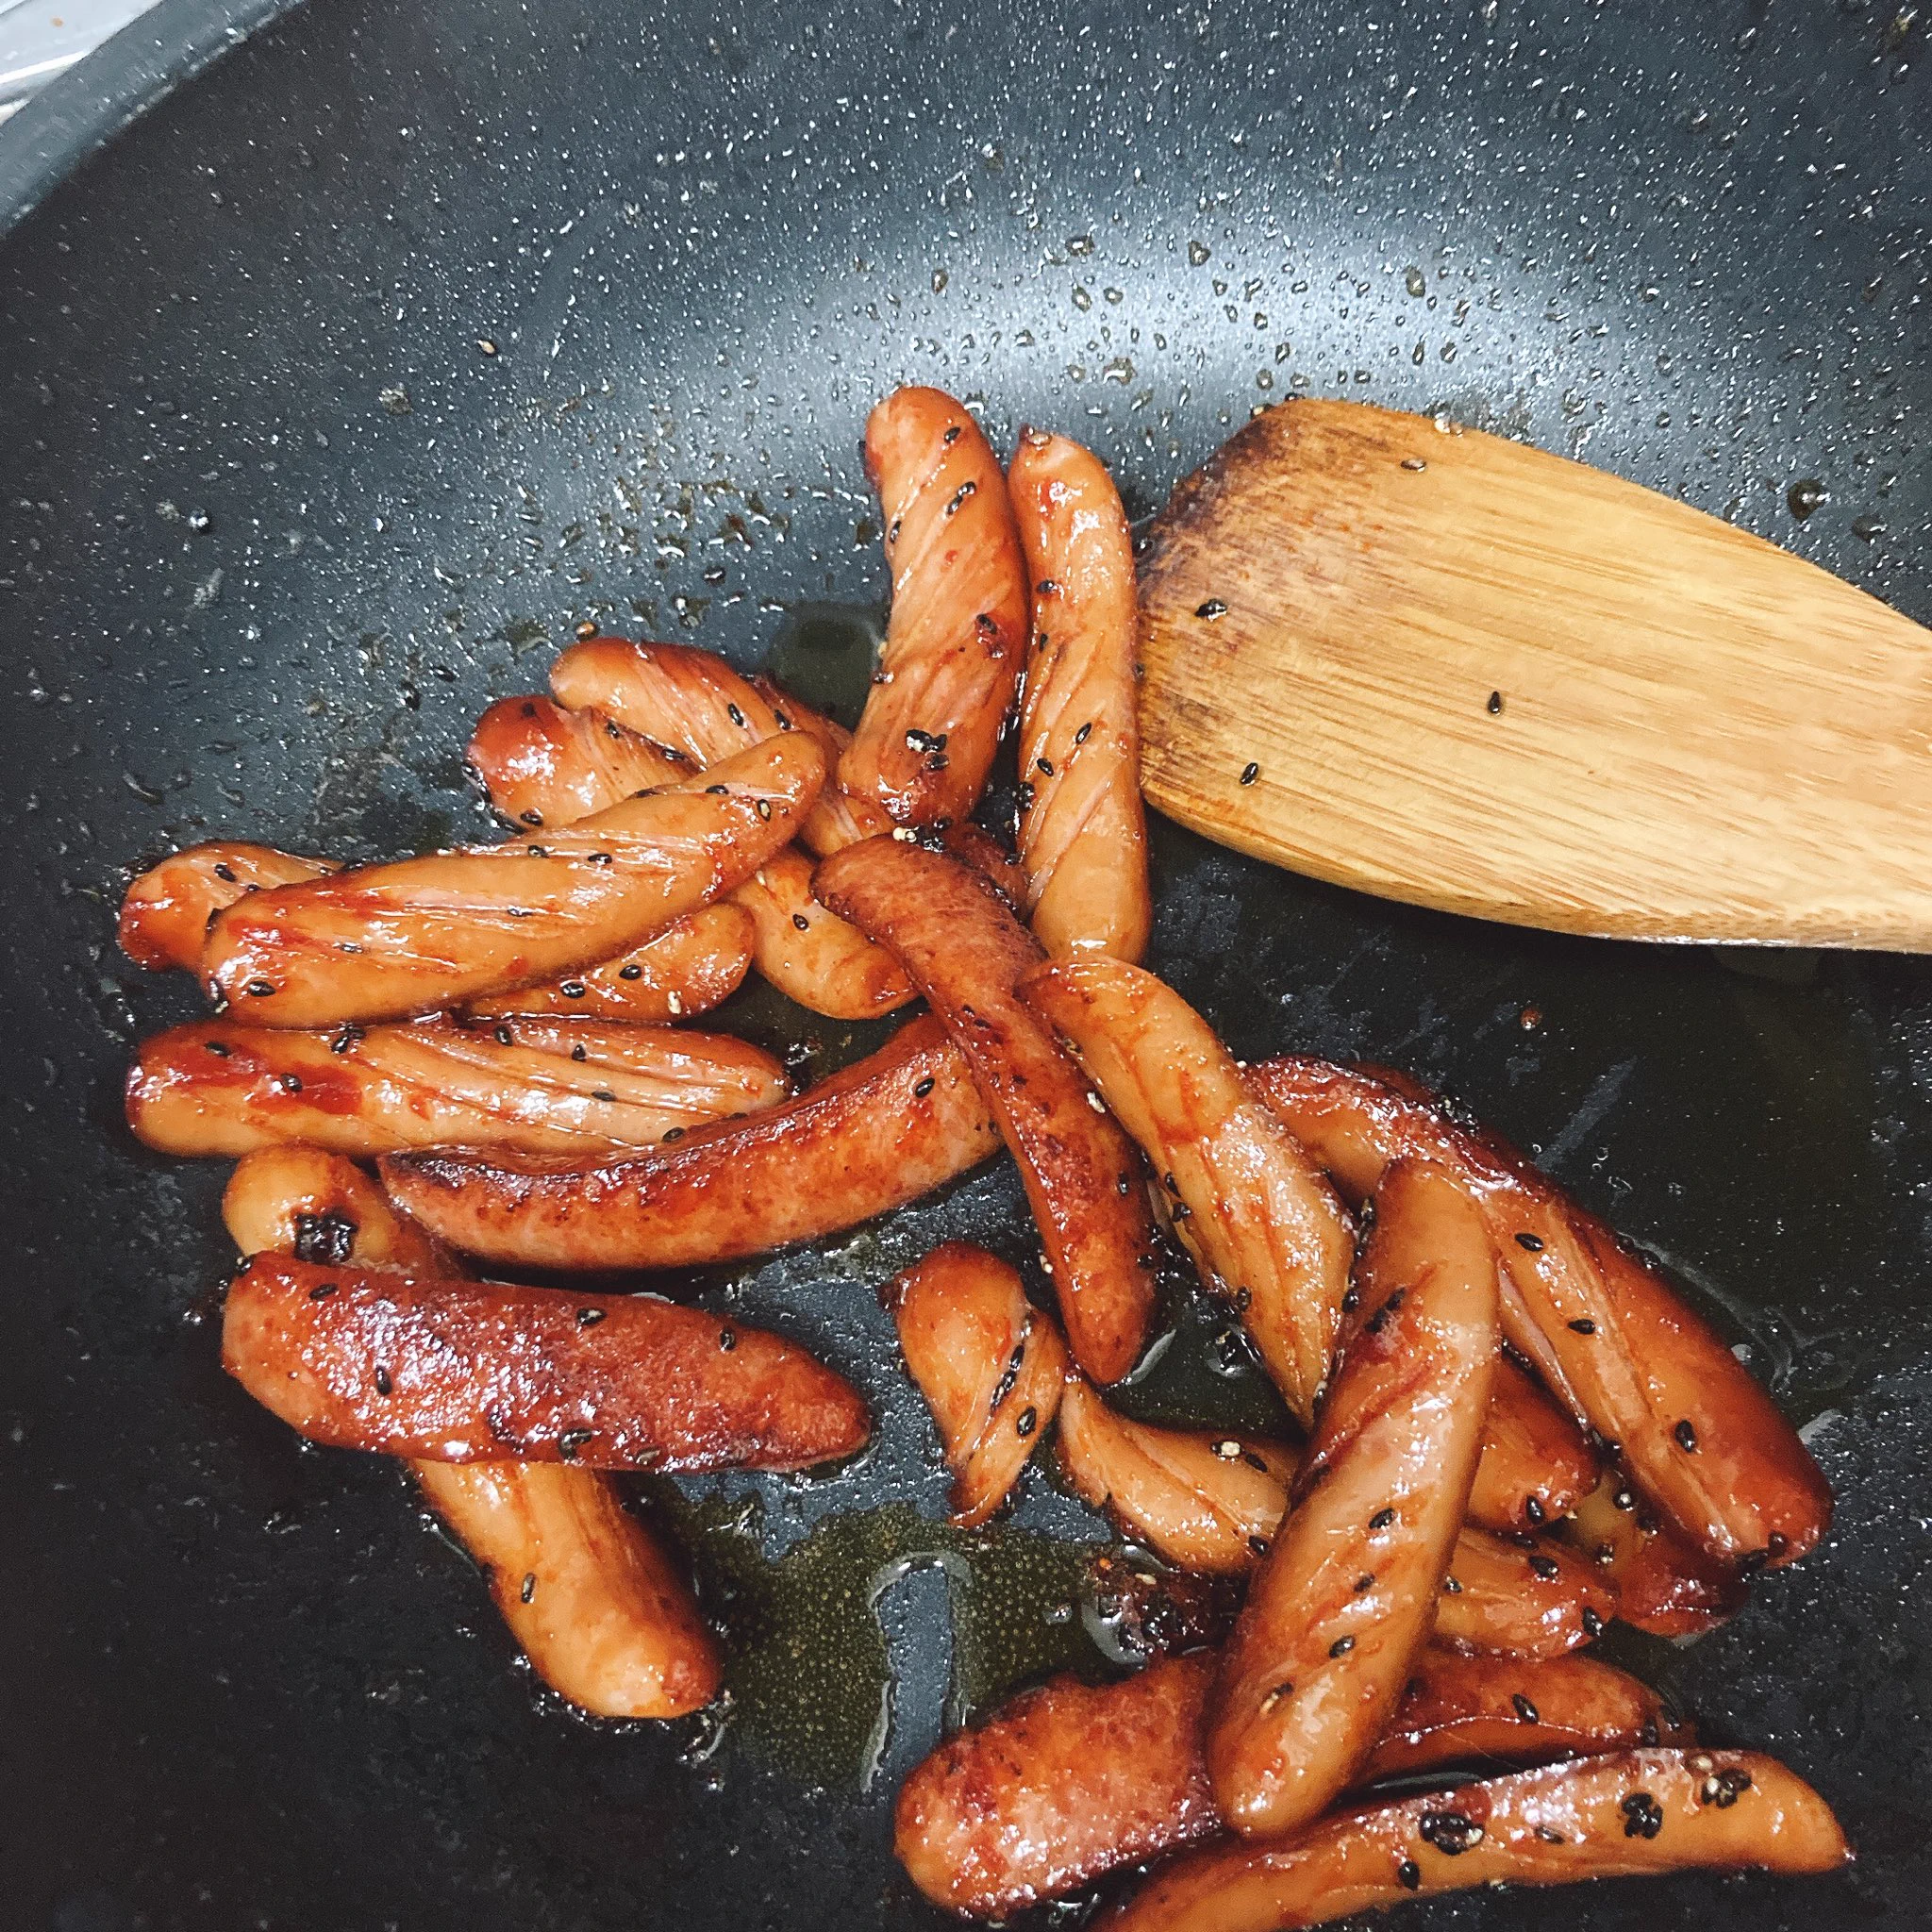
{"points": [[572, 988], [259, 989], [727, 1339], [1452, 1833], [1028, 1421], [505, 1037], [219, 1048], [952, 434], [1644, 1816], [1212, 609], [385, 1384], [1365, 1581], [716, 791], [537, 851], [531, 818], [326, 1238], [291, 1083], [570, 1441], [630, 970], [925, 1087], [670, 1134], [967, 489], [1533, 1242], [224, 871], [1379, 1320], [589, 1318], [1592, 1623], [783, 723], [1545, 1567], [1243, 1300], [1250, 772], [1549, 1837], [1259, 1544], [1081, 735], [1341, 1646], [764, 809], [1525, 1708], [1583, 1326], [732, 712], [321, 1291], [1255, 1462], [1351, 1300], [1381, 1519], [529, 1589], [1725, 1789], [1046, 765], [1126, 1184], [1452, 1586], [1533, 1509], [580, 1053], [1686, 1438], [1624, 1499], [1408, 1874], [1495, 704]]}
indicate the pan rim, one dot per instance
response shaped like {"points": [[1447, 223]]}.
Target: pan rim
{"points": [[88, 107]]}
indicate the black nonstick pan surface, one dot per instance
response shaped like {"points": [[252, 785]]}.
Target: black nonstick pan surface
{"points": [[339, 387]]}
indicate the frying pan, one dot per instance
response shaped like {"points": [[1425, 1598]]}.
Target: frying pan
{"points": [[339, 381]]}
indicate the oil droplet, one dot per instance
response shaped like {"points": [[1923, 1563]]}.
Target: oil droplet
{"points": [[1805, 495]]}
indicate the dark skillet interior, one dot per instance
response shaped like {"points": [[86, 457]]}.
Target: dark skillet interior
{"points": [[273, 525]]}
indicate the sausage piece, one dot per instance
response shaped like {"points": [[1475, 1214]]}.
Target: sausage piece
{"points": [[1073, 1780], [594, 1600], [1536, 1464], [1347, 1594], [561, 771], [964, 950], [946, 676], [987, 1364], [1622, 1816], [385, 942], [691, 966], [165, 914], [1513, 1598], [693, 702], [882, 1132], [1664, 1584], [536, 1085], [1083, 833], [1703, 1441], [1247, 1201], [465, 1371]]}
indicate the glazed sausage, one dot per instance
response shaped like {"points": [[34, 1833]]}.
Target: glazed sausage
{"points": [[1346, 1596], [595, 1602], [695, 703], [1536, 1464], [1700, 1439], [883, 1132], [462, 1372], [965, 951], [1069, 1781], [946, 676], [560, 772], [1083, 834], [166, 912], [989, 1365], [1664, 1584], [691, 966], [386, 941], [1248, 1202], [1513, 1598], [1622, 1816], [543, 765], [535, 1085]]}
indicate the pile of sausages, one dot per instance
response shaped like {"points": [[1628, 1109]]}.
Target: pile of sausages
{"points": [[1515, 1431]]}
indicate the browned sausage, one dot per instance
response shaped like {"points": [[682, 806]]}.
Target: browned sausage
{"points": [[1345, 1599], [537, 1085], [562, 770], [1083, 834], [988, 1364], [165, 914], [1639, 1811], [1513, 1598], [945, 680], [464, 1372], [1249, 1203], [697, 703], [386, 941], [592, 1598], [1536, 1465], [1664, 1584], [543, 765], [1073, 1780], [691, 966], [965, 951], [1704, 1442], [883, 1132]]}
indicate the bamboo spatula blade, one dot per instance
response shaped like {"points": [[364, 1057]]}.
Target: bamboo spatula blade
{"points": [[1443, 668]]}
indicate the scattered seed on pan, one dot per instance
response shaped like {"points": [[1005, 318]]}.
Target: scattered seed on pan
{"points": [[893, 529], [925, 1087], [1341, 1646], [1250, 772], [1592, 1623], [1046, 588], [1408, 1874], [1644, 1817], [528, 1592], [1379, 1320], [1181, 1211], [589, 1318], [1212, 609], [1452, 1833], [385, 1383], [1533, 1242], [570, 1441], [1686, 1438], [1495, 704], [1525, 1708], [1583, 1326]]}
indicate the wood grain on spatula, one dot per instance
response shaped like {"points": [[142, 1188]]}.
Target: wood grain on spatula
{"points": [[1441, 667]]}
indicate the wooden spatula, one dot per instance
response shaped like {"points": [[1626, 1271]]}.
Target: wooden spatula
{"points": [[1437, 666]]}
